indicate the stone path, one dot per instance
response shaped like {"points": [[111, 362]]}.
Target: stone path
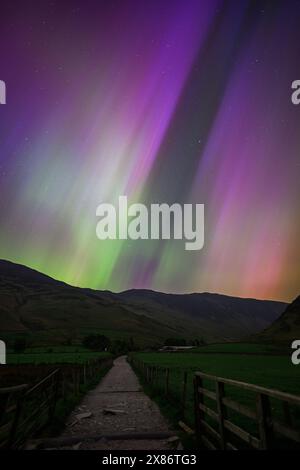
{"points": [[119, 407]]}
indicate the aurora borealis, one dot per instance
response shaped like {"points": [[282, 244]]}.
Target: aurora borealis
{"points": [[161, 101]]}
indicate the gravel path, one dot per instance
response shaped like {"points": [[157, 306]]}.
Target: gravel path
{"points": [[118, 406]]}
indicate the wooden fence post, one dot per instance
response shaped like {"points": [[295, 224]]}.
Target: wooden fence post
{"points": [[264, 421], [221, 412], [63, 385], [78, 380], [74, 379], [57, 378], [197, 409], [287, 413], [14, 427], [198, 399], [3, 404], [154, 375], [84, 374], [184, 385], [167, 381]]}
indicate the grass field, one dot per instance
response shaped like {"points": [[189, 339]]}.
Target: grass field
{"points": [[271, 371], [56, 355], [242, 348], [57, 338]]}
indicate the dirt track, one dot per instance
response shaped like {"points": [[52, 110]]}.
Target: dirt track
{"points": [[118, 406]]}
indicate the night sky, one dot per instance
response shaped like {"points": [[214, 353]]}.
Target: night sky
{"points": [[183, 101]]}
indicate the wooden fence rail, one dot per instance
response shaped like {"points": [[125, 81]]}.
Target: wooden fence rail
{"points": [[25, 410], [269, 428], [155, 375], [222, 422]]}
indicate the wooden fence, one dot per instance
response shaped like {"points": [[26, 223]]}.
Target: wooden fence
{"points": [[228, 435], [24, 409], [221, 420], [160, 379]]}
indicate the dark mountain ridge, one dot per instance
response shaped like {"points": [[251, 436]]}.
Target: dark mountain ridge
{"points": [[286, 328], [35, 303]]}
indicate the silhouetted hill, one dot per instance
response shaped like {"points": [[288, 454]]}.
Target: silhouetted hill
{"points": [[35, 303], [287, 327]]}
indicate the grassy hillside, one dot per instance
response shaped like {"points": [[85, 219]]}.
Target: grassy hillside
{"points": [[53, 312], [218, 316], [287, 327], [50, 312]]}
